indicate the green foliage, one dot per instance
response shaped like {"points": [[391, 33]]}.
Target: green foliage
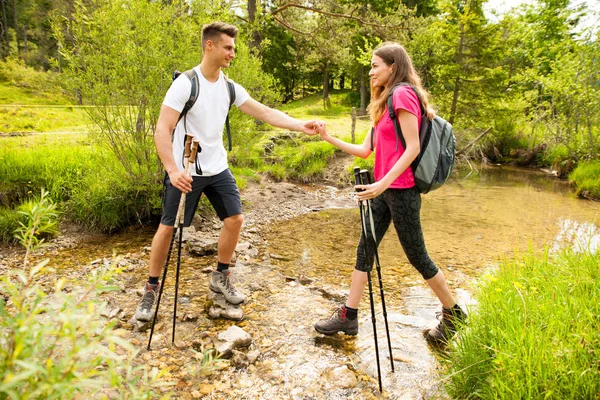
{"points": [[45, 87], [41, 220], [586, 178], [9, 221], [88, 181], [305, 162], [534, 333], [52, 344], [54, 162], [110, 200]]}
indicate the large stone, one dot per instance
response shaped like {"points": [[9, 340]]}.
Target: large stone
{"points": [[330, 293], [202, 246], [233, 338], [342, 377], [221, 308]]}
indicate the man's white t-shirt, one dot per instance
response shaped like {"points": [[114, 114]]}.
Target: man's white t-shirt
{"points": [[205, 120]]}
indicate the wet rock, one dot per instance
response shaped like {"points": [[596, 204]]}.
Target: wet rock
{"points": [[330, 293], [233, 338], [188, 233], [279, 257], [239, 360], [221, 308], [342, 377], [96, 261], [305, 280], [139, 326], [180, 344], [403, 357], [207, 270], [110, 312], [202, 246]]}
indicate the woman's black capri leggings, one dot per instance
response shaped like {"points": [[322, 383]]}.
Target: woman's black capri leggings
{"points": [[403, 206]]}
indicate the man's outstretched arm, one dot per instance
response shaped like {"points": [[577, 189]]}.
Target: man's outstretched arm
{"points": [[277, 118]]}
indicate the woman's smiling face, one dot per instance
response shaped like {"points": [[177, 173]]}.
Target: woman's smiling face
{"points": [[380, 72]]}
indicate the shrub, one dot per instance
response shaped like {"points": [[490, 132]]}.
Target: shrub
{"points": [[586, 177], [52, 345]]}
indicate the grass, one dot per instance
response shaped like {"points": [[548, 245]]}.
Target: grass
{"points": [[535, 333], [295, 156], [586, 178]]}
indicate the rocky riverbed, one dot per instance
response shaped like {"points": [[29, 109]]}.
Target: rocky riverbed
{"points": [[270, 348]]}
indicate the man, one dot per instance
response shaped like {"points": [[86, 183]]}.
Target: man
{"points": [[205, 121]]}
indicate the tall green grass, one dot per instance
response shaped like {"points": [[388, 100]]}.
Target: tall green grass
{"points": [[586, 178], [535, 333], [86, 180]]}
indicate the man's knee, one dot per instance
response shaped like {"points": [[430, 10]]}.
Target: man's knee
{"points": [[234, 222], [164, 232]]}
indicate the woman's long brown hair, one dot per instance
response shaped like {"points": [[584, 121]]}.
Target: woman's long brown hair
{"points": [[403, 72]]}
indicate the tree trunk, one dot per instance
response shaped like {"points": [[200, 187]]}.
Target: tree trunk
{"points": [[363, 92], [342, 81], [326, 102], [457, 82], [256, 36], [5, 28], [16, 25]]}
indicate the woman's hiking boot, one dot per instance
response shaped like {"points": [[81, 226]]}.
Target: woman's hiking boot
{"points": [[338, 322], [449, 321], [221, 283], [145, 310]]}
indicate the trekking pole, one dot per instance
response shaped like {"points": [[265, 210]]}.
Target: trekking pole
{"points": [[190, 153], [364, 232], [188, 143], [366, 180]]}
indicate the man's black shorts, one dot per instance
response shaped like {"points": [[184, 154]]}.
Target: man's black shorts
{"points": [[221, 190]]}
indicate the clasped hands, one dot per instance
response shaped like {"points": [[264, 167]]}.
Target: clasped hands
{"points": [[364, 192]]}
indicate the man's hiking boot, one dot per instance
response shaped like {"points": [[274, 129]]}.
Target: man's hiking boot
{"points": [[338, 322], [449, 320], [221, 283], [145, 310]]}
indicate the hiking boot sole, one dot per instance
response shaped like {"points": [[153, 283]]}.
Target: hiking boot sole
{"points": [[352, 332], [217, 290]]}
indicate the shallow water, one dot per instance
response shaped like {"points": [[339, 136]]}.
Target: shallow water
{"points": [[468, 225]]}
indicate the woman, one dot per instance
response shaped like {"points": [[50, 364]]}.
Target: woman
{"points": [[394, 195]]}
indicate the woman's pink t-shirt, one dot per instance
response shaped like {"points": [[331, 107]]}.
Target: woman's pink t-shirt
{"points": [[386, 154]]}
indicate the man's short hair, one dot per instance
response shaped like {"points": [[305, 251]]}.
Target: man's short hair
{"points": [[213, 32]]}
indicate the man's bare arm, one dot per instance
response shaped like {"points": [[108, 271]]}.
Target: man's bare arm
{"points": [[162, 138]]}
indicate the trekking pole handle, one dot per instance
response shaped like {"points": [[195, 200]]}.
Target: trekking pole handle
{"points": [[187, 146], [365, 177], [193, 150], [357, 177]]}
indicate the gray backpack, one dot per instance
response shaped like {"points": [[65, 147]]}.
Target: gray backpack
{"points": [[434, 164]]}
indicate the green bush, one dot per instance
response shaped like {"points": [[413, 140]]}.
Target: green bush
{"points": [[534, 334], [52, 344], [109, 200], [586, 178], [9, 221], [305, 162]]}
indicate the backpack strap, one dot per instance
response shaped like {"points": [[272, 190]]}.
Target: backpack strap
{"points": [[231, 90], [394, 117], [195, 91]]}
